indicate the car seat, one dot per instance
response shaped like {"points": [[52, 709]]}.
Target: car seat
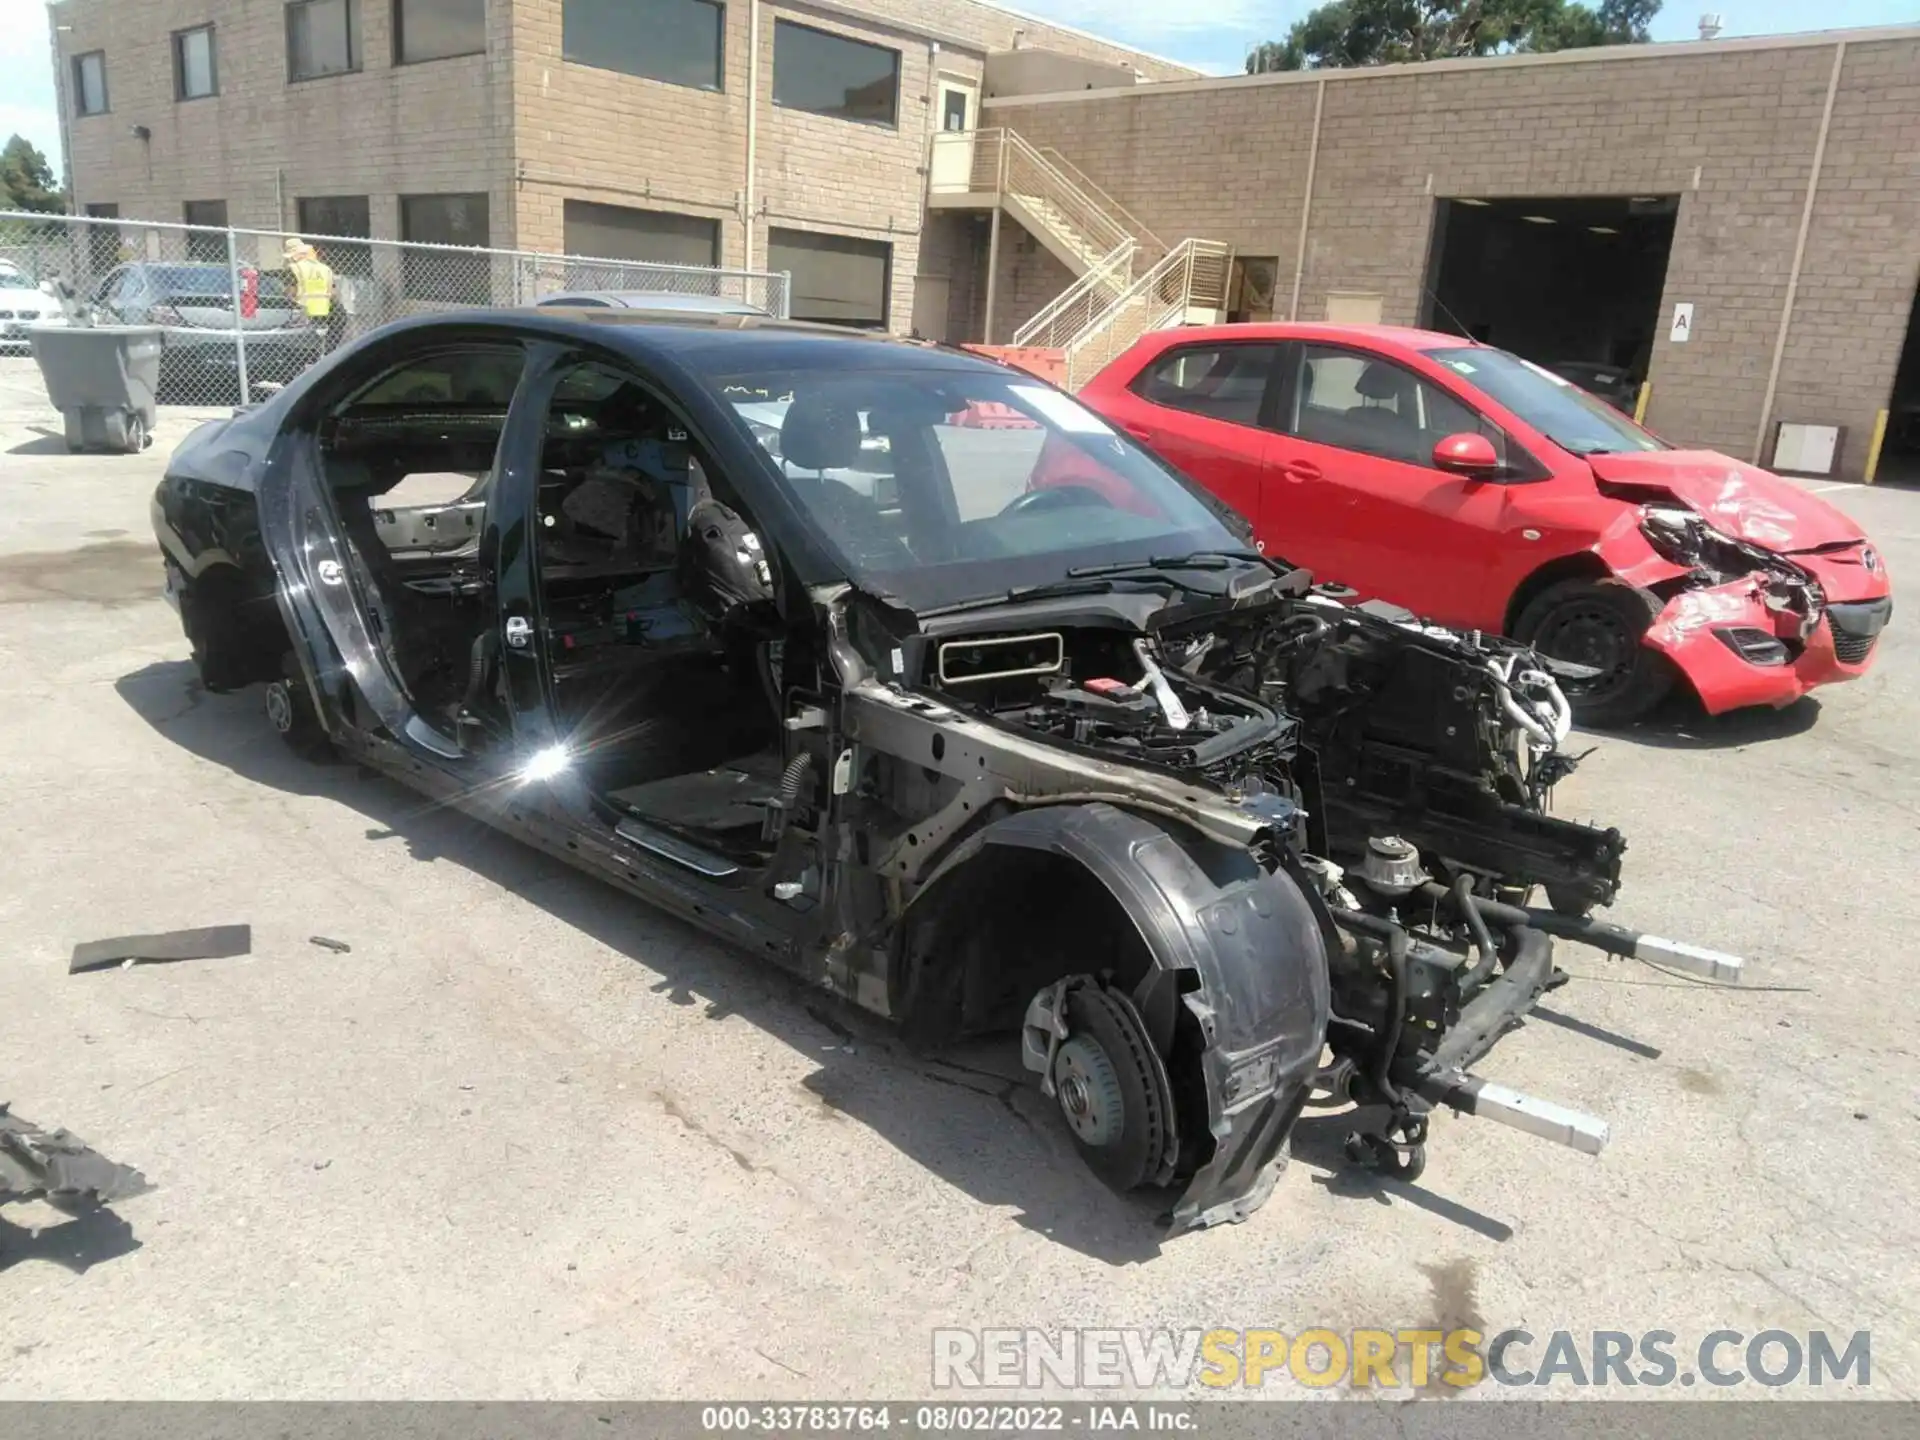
{"points": [[1388, 422], [822, 432]]}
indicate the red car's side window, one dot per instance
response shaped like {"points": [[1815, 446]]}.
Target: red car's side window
{"points": [[1220, 382], [1360, 402]]}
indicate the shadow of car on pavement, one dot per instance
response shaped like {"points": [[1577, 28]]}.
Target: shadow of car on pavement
{"points": [[969, 1116], [1679, 723]]}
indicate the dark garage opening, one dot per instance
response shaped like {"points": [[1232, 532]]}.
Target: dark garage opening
{"points": [[1900, 451], [1571, 284]]}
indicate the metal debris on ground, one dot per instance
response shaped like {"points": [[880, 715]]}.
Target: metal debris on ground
{"points": [[216, 942], [59, 1167], [339, 947]]}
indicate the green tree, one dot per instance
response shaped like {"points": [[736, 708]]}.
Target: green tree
{"points": [[26, 179], [1345, 33]]}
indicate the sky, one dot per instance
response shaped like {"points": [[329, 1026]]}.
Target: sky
{"points": [[1211, 35]]}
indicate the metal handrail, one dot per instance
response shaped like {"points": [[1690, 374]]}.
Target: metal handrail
{"points": [[1158, 298], [1148, 240], [1015, 167], [1072, 309]]}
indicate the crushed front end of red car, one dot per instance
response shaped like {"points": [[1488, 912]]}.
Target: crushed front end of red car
{"points": [[1751, 626]]}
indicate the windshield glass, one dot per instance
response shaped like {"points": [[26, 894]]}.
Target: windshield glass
{"points": [[944, 486], [14, 280], [1558, 409]]}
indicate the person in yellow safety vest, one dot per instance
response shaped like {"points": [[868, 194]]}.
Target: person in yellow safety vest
{"points": [[315, 288]]}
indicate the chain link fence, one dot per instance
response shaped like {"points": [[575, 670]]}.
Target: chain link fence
{"points": [[228, 305]]}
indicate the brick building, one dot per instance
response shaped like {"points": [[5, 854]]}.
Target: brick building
{"points": [[952, 167], [1788, 170], [772, 134]]}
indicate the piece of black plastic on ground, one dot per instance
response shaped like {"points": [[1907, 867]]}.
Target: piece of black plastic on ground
{"points": [[339, 947], [60, 1167], [215, 942]]}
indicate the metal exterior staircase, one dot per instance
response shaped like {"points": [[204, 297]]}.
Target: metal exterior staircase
{"points": [[1190, 277], [1127, 280]]}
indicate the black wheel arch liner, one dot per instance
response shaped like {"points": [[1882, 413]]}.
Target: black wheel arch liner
{"points": [[1248, 936]]}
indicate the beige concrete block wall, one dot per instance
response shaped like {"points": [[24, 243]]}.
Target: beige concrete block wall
{"points": [[619, 139], [1029, 276], [834, 176], [440, 127], [1862, 266], [528, 128], [1730, 131], [953, 248], [590, 134]]}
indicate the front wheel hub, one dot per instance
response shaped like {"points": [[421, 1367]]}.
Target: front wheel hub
{"points": [[1088, 1088], [1111, 1086]]}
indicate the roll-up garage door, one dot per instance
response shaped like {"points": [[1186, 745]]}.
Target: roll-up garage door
{"points": [[836, 278], [616, 232]]}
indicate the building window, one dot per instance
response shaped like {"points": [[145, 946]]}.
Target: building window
{"points": [[324, 218], [836, 278], [832, 75], [439, 275], [678, 41], [613, 232], [194, 77], [323, 38], [90, 83], [201, 245], [438, 29]]}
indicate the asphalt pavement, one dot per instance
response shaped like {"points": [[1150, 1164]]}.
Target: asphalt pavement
{"points": [[529, 1139]]}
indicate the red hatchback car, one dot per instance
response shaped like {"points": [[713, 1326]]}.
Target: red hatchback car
{"points": [[1484, 492]]}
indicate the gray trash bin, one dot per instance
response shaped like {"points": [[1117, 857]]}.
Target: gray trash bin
{"points": [[102, 381]]}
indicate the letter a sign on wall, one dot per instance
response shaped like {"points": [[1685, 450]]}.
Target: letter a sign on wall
{"points": [[1682, 330]]}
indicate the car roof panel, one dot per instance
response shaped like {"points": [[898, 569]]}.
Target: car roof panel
{"points": [[719, 344]]}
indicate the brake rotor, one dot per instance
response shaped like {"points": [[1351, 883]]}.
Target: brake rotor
{"points": [[1113, 1091]]}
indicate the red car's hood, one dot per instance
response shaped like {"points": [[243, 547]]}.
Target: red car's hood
{"points": [[1736, 498]]}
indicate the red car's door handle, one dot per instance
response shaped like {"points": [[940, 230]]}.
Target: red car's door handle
{"points": [[1300, 470], [1140, 433]]}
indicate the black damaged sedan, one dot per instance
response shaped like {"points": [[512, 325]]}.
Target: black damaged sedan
{"points": [[905, 672]]}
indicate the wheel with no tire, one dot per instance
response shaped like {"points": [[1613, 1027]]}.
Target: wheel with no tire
{"points": [[137, 438], [1600, 624], [1112, 1092], [291, 713]]}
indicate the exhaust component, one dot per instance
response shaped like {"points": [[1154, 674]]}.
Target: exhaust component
{"points": [[1471, 1095]]}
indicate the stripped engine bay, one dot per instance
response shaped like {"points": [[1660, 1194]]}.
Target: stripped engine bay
{"points": [[1397, 774]]}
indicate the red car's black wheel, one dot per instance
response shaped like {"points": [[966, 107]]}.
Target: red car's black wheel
{"points": [[1600, 624]]}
